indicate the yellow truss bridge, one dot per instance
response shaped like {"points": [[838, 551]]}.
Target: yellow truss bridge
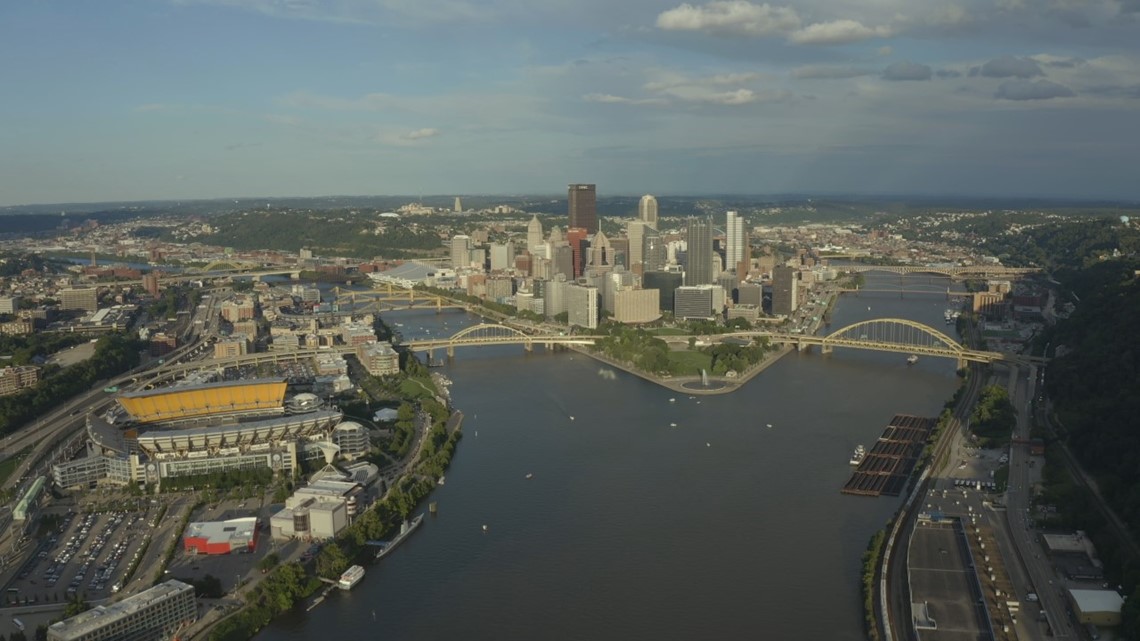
{"points": [[390, 297], [957, 272]]}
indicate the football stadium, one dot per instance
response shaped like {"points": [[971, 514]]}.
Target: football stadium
{"points": [[201, 429]]}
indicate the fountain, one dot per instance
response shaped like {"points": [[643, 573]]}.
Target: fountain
{"points": [[704, 378]]}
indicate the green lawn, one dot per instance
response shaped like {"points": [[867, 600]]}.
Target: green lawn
{"points": [[689, 363], [412, 388], [668, 331]]}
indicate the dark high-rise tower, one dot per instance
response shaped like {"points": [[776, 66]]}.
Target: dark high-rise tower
{"points": [[582, 202], [698, 238]]}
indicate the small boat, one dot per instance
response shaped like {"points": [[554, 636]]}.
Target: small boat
{"points": [[350, 578], [571, 418], [529, 476], [672, 400], [707, 444], [672, 425], [441, 480], [484, 527], [912, 359], [769, 426]]}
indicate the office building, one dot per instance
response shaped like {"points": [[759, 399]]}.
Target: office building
{"points": [[695, 302], [665, 283], [17, 377], [699, 263], [150, 283], [458, 205], [562, 262], [379, 359], [750, 294], [736, 245], [9, 304], [654, 253], [86, 298], [637, 305], [601, 254], [502, 256], [784, 290], [157, 613], [460, 251], [582, 203], [577, 238], [534, 237], [635, 232], [238, 309], [647, 211], [582, 306], [235, 345], [554, 295]]}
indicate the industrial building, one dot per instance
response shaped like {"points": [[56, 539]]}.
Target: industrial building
{"points": [[157, 613], [221, 537], [1098, 607]]}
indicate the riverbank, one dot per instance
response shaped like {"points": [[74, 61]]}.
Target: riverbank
{"points": [[692, 385]]}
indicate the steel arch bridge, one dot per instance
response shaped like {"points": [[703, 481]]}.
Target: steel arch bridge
{"points": [[898, 335], [495, 334]]}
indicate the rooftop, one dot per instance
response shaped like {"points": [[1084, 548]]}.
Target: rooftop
{"points": [[98, 616], [1097, 600], [223, 531]]}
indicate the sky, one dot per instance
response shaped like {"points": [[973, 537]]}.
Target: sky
{"points": [[184, 99]]}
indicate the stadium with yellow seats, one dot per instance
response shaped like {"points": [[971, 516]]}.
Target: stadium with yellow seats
{"points": [[202, 429]]}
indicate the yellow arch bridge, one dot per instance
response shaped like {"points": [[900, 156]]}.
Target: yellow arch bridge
{"points": [[895, 335], [495, 334]]}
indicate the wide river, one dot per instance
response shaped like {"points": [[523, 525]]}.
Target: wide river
{"points": [[720, 527]]}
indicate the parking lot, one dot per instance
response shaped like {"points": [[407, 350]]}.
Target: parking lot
{"points": [[80, 555]]}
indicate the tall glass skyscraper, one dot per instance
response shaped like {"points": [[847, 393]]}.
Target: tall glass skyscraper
{"points": [[737, 241], [698, 237]]}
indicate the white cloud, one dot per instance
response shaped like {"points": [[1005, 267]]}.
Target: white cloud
{"points": [[730, 17], [610, 99], [838, 32], [419, 134]]}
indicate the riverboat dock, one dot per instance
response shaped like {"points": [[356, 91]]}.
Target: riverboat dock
{"points": [[887, 467]]}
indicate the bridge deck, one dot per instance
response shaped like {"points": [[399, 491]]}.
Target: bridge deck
{"points": [[887, 466]]}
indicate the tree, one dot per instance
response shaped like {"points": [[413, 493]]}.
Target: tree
{"points": [[331, 561]]}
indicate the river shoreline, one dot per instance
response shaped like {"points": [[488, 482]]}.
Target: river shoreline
{"points": [[692, 384]]}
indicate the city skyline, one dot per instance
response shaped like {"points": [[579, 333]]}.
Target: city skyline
{"points": [[1016, 99]]}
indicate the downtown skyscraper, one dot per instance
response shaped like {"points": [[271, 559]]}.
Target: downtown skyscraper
{"points": [[647, 210], [582, 206], [699, 264], [736, 248]]}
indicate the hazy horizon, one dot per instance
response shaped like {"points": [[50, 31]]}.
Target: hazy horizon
{"points": [[195, 99]]}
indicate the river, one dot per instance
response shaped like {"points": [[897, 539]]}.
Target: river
{"points": [[631, 528]]}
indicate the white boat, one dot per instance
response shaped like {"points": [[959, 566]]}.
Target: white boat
{"points": [[912, 359], [529, 476], [672, 425], [672, 400], [769, 426], [441, 480], [350, 578], [858, 456]]}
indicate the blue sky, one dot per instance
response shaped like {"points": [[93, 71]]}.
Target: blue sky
{"points": [[179, 99]]}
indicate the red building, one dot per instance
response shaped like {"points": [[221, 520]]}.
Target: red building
{"points": [[221, 537]]}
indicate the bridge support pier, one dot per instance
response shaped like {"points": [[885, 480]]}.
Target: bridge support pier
{"points": [[528, 346], [825, 349], [962, 363], [451, 351]]}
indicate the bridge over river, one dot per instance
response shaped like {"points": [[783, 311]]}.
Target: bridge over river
{"points": [[881, 334]]}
